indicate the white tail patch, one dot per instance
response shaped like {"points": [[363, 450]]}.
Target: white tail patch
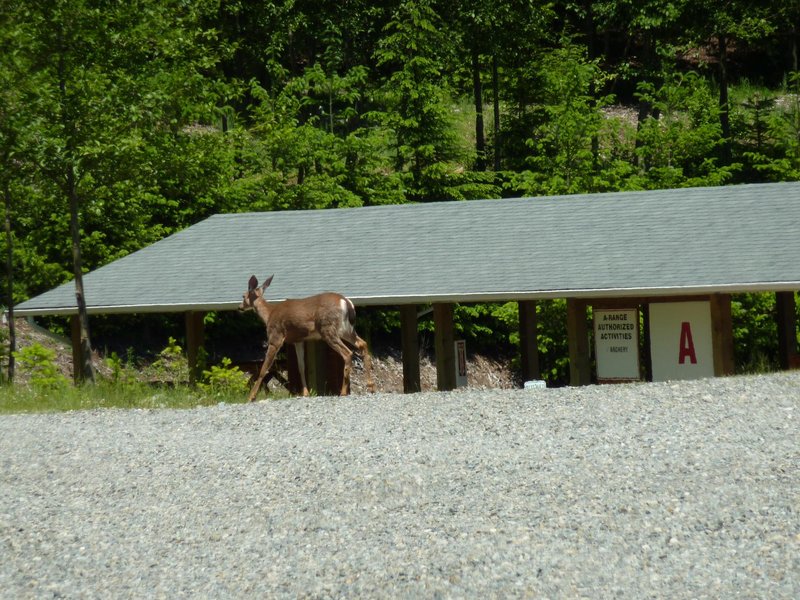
{"points": [[346, 327]]}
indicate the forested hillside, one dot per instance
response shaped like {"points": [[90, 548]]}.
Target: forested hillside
{"points": [[124, 121]]}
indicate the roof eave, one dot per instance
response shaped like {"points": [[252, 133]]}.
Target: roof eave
{"points": [[56, 311], [498, 296], [587, 293]]}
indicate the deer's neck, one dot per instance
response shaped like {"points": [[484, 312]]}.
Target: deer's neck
{"points": [[262, 309]]}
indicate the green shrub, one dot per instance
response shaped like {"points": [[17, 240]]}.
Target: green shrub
{"points": [[39, 363], [755, 332], [171, 365], [224, 381], [122, 372], [4, 352]]}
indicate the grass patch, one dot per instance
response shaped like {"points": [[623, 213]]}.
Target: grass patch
{"points": [[26, 399], [162, 384]]}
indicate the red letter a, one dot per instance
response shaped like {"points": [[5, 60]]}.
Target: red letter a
{"points": [[687, 345]]}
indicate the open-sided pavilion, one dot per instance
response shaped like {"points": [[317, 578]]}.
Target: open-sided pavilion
{"points": [[628, 249]]}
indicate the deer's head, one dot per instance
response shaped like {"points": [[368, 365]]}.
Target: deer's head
{"points": [[254, 292]]}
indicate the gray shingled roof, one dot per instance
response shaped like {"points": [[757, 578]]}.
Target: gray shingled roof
{"points": [[698, 240]]}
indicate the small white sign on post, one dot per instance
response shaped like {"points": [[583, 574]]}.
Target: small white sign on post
{"points": [[616, 344], [461, 363]]}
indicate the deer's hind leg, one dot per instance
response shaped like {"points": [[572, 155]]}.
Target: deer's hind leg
{"points": [[361, 347], [342, 350]]}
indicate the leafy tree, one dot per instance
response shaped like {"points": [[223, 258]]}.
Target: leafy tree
{"points": [[105, 76], [781, 160], [485, 32], [563, 158], [786, 17], [551, 317], [724, 24], [415, 97], [309, 166], [678, 147], [261, 33], [14, 123], [754, 332], [523, 33], [651, 31]]}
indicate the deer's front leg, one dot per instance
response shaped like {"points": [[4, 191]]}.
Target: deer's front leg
{"points": [[272, 351]]}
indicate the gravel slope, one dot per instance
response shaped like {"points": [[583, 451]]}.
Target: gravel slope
{"points": [[670, 490]]}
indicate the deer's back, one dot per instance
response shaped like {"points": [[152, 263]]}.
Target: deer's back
{"points": [[306, 318]]}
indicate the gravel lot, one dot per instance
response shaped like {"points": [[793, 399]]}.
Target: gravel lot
{"points": [[676, 490]]}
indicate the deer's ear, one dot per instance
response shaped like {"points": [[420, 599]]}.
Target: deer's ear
{"points": [[267, 281], [252, 284]]}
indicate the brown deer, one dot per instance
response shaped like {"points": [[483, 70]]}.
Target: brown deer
{"points": [[328, 316]]}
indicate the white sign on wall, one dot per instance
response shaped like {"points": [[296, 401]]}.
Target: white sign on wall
{"points": [[461, 363], [616, 344], [680, 340]]}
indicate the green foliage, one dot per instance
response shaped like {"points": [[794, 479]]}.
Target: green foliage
{"points": [[780, 160], [416, 98], [551, 318], [677, 149], [16, 399], [171, 365], [311, 160], [39, 364], [122, 372], [564, 146], [494, 328], [223, 381], [98, 86], [477, 323], [5, 353], [754, 332], [491, 328], [156, 114]]}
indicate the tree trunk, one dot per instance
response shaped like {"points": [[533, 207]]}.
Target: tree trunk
{"points": [[591, 36], [645, 107], [12, 335], [86, 368], [84, 371], [477, 88], [496, 106], [724, 107]]}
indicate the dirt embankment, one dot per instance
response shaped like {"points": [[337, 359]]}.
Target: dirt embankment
{"points": [[482, 372]]}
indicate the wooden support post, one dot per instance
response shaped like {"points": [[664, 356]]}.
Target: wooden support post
{"points": [[195, 338], [445, 347], [316, 369], [292, 370], [578, 339], [77, 349], [647, 358], [410, 348], [785, 315], [334, 371], [528, 346], [722, 334]]}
